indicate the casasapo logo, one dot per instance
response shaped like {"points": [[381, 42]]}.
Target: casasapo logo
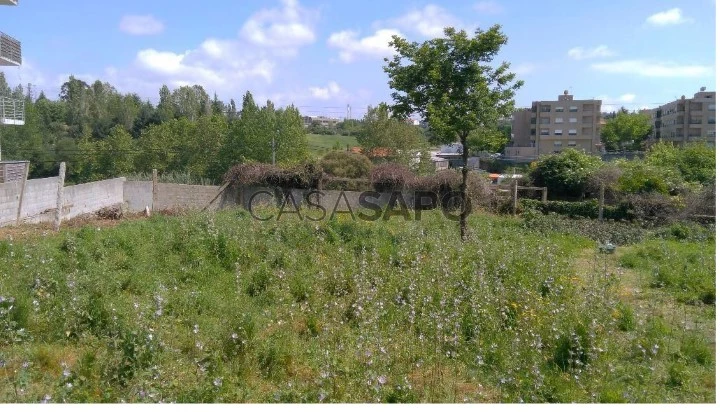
{"points": [[369, 205]]}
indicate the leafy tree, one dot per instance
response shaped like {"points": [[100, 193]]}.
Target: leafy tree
{"points": [[642, 177], [346, 164], [626, 130], [451, 83], [400, 140], [566, 174], [695, 162], [487, 139]]}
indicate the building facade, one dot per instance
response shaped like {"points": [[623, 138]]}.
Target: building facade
{"points": [[550, 126], [686, 120]]}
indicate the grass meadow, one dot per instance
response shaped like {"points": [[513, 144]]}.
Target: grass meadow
{"points": [[320, 144], [223, 308]]}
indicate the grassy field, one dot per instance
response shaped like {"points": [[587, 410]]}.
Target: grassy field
{"points": [[321, 144], [222, 308]]}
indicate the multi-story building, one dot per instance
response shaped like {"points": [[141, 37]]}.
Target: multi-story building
{"points": [[12, 111], [550, 126], [686, 120]]}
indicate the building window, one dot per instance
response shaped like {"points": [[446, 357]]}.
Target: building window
{"points": [[532, 132], [572, 143], [573, 109], [545, 132], [573, 120], [545, 108], [711, 120], [533, 120], [558, 132], [711, 133], [559, 109], [711, 106], [557, 143], [544, 120], [572, 132], [558, 120]]}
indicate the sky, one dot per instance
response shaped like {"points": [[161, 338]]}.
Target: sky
{"points": [[322, 55]]}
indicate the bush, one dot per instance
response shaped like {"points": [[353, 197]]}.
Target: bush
{"points": [[694, 162], [640, 177], [303, 176], [346, 164], [588, 208], [652, 208], [566, 174], [391, 176]]}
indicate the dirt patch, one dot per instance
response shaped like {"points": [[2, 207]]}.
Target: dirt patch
{"points": [[35, 230]]}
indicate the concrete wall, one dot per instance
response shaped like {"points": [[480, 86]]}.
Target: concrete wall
{"points": [[9, 196], [39, 200], [91, 197], [172, 195], [329, 199], [137, 195]]}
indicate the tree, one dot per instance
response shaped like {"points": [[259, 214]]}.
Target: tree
{"points": [[487, 139], [566, 174], [451, 83], [400, 142], [626, 130]]}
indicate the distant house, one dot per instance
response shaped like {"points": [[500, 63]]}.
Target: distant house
{"points": [[452, 153], [323, 121]]}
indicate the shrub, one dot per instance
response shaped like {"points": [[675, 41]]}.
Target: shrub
{"points": [[346, 164], [588, 208], [640, 177], [566, 173], [391, 176], [694, 162], [303, 176], [653, 208]]}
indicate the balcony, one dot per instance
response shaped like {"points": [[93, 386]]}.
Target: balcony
{"points": [[8, 2], [10, 51], [12, 111]]}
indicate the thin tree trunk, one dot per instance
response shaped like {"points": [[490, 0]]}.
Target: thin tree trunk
{"points": [[463, 189]]}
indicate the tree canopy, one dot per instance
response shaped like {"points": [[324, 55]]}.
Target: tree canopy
{"points": [[626, 131], [452, 84]]}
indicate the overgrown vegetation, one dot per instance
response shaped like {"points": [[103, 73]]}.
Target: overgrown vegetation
{"points": [[223, 308]]}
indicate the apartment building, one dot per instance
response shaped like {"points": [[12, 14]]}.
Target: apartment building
{"points": [[686, 120], [550, 126]]}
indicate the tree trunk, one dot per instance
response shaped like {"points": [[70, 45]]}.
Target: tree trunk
{"points": [[463, 189]]}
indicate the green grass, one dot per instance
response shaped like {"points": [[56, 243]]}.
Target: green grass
{"points": [[321, 144], [222, 308]]}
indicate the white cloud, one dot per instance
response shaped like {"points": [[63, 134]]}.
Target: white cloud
{"points": [[286, 28], [430, 21], [351, 46], [488, 7], [667, 18], [654, 69], [332, 90], [141, 25], [580, 53], [613, 104]]}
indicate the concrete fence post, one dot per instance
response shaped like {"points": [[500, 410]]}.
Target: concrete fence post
{"points": [[154, 189], [59, 204], [22, 193], [515, 196], [544, 194]]}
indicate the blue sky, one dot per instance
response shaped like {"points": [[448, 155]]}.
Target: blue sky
{"points": [[322, 55]]}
